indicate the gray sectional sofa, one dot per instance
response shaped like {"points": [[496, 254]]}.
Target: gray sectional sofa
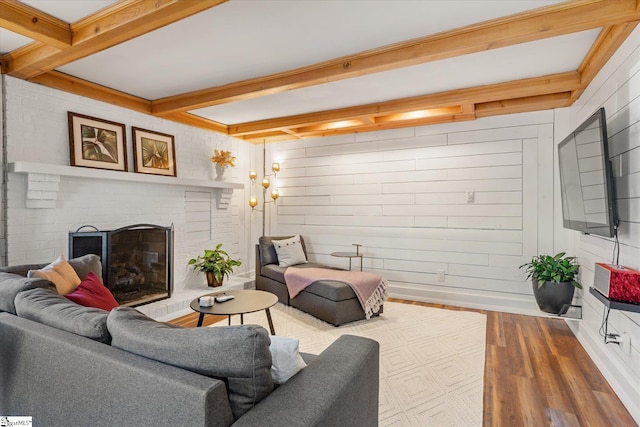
{"points": [[68, 365], [332, 301]]}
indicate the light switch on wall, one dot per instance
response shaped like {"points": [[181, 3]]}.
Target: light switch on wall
{"points": [[471, 196]]}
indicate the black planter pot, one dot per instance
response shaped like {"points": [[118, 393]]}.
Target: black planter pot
{"points": [[553, 297]]}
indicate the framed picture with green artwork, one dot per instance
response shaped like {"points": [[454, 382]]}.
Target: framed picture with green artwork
{"points": [[96, 143], [154, 152]]}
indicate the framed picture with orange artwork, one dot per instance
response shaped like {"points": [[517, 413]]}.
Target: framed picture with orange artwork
{"points": [[154, 152]]}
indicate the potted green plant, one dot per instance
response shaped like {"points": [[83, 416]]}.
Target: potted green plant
{"points": [[216, 264], [554, 281]]}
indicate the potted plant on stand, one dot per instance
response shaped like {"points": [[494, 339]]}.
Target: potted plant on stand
{"points": [[554, 281], [216, 264], [222, 159]]}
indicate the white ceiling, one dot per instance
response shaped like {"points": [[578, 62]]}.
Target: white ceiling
{"points": [[244, 39]]}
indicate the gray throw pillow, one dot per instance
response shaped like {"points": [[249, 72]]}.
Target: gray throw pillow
{"points": [[86, 263], [238, 355], [268, 253], [47, 307], [12, 284]]}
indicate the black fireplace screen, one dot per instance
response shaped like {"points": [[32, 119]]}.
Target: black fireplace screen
{"points": [[136, 260]]}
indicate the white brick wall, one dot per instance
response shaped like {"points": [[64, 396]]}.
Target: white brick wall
{"points": [[37, 132], [3, 241]]}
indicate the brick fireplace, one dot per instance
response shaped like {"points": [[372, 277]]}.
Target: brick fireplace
{"points": [[137, 260]]}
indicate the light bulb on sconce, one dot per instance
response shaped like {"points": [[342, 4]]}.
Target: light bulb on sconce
{"points": [[266, 183]]}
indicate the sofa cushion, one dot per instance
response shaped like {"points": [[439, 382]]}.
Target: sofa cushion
{"points": [[92, 293], [290, 251], [239, 355], [268, 253], [85, 264], [331, 290], [47, 307], [286, 359], [12, 284], [22, 269], [82, 265], [60, 273]]}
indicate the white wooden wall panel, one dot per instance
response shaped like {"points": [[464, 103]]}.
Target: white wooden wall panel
{"points": [[498, 223], [486, 172], [494, 134], [617, 89], [512, 184], [477, 161], [403, 196], [198, 215], [471, 209], [411, 176]]}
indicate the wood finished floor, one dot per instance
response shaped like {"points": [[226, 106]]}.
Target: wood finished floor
{"points": [[536, 374]]}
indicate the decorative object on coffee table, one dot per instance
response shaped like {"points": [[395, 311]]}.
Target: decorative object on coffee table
{"points": [[154, 152], [216, 264], [554, 281], [97, 143], [244, 301]]}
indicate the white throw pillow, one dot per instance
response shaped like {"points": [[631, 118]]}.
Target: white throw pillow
{"points": [[60, 273], [286, 360], [289, 251]]}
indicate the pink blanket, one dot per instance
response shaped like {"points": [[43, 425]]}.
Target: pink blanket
{"points": [[370, 288]]}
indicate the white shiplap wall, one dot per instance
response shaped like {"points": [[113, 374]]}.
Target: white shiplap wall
{"points": [[617, 89], [402, 194]]}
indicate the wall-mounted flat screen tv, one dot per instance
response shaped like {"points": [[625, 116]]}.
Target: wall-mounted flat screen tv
{"points": [[586, 179]]}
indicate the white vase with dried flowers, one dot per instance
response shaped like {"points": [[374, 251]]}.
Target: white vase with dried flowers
{"points": [[222, 159]]}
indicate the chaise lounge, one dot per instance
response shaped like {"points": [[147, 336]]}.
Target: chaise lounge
{"points": [[329, 300]]}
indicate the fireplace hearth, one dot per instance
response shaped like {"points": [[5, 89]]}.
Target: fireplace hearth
{"points": [[136, 260]]}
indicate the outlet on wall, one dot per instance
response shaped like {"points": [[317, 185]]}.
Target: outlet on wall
{"points": [[440, 275], [625, 343]]}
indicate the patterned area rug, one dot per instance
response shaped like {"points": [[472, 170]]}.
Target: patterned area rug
{"points": [[431, 360]]}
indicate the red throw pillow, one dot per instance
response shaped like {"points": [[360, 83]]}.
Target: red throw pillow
{"points": [[92, 293]]}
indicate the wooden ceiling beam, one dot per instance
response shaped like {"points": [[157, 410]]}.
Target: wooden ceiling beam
{"points": [[123, 21], [67, 83], [34, 24], [197, 121], [555, 20], [516, 89], [608, 41], [523, 105], [70, 84], [315, 131]]}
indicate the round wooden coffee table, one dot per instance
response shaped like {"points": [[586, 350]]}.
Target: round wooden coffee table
{"points": [[245, 301]]}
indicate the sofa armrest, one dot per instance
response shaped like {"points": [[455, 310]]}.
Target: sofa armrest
{"points": [[340, 387]]}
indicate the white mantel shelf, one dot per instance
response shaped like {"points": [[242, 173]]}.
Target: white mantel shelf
{"points": [[60, 170], [43, 179]]}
